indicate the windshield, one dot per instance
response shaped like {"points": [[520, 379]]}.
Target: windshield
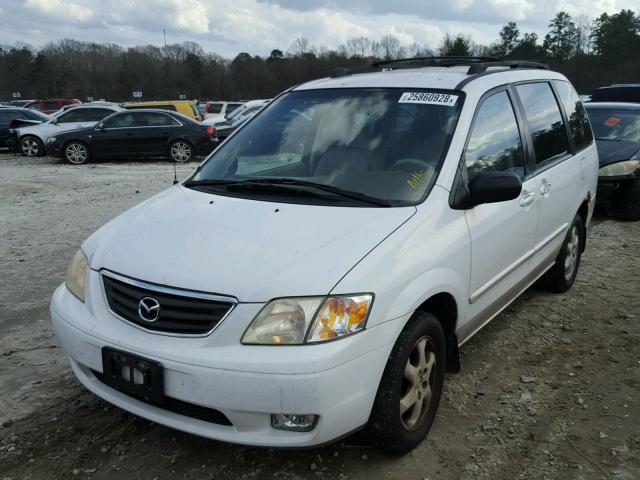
{"points": [[385, 144], [621, 125]]}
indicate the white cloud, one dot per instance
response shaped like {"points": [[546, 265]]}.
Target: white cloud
{"points": [[258, 26]]}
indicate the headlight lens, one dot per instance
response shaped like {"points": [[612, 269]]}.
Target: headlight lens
{"points": [[76, 274], [51, 139], [620, 169], [286, 321]]}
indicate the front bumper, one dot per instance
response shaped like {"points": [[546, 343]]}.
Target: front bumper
{"points": [[245, 383]]}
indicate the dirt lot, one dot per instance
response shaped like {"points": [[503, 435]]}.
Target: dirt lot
{"points": [[549, 390]]}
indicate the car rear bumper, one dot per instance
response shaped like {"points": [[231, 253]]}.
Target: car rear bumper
{"points": [[341, 396]]}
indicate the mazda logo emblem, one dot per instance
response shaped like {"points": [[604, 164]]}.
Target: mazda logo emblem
{"points": [[149, 309]]}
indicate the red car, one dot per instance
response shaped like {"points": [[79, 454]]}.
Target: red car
{"points": [[51, 105]]}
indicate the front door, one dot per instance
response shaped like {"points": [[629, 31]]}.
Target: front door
{"points": [[115, 137], [502, 234]]}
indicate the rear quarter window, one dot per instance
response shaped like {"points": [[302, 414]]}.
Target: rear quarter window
{"points": [[579, 125]]}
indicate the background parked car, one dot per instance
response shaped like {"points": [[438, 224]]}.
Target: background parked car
{"points": [[30, 140], [617, 93], [220, 109], [185, 107], [50, 105], [19, 103], [8, 115], [246, 109], [616, 127], [147, 133]]}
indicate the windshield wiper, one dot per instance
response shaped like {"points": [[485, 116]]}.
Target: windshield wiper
{"points": [[286, 182]]}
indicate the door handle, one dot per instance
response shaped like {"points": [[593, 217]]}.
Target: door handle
{"points": [[545, 187], [527, 198]]}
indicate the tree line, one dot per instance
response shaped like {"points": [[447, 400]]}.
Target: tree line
{"points": [[591, 53]]}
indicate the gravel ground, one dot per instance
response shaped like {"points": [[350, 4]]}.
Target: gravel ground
{"points": [[549, 390]]}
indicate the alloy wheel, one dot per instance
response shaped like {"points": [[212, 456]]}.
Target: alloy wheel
{"points": [[419, 376], [571, 252], [30, 147], [181, 152], [76, 153]]}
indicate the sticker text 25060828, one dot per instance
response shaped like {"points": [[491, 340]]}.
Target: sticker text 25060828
{"points": [[429, 98]]}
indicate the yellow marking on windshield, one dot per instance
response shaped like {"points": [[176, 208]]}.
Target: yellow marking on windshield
{"points": [[417, 179]]}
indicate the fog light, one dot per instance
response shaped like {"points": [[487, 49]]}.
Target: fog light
{"points": [[295, 423]]}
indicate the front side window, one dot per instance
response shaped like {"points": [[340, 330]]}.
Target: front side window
{"points": [[35, 106], [341, 139], [494, 144], [618, 125], [122, 120], [233, 106], [545, 121], [576, 114]]}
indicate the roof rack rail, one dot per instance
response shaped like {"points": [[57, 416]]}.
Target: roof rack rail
{"points": [[433, 61], [414, 62], [480, 67]]}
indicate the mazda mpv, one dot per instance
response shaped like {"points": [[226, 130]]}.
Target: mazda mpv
{"points": [[318, 272]]}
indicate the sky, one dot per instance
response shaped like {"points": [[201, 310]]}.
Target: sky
{"points": [[228, 27]]}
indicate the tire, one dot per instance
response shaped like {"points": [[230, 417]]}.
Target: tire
{"points": [[404, 410], [626, 201], [563, 273], [181, 151], [76, 153], [31, 146]]}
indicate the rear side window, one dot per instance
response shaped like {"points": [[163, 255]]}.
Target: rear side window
{"points": [[576, 114], [52, 106], [151, 119], [214, 108], [495, 144], [545, 121], [232, 106]]}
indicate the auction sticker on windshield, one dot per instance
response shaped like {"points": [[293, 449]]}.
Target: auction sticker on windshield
{"points": [[428, 98]]}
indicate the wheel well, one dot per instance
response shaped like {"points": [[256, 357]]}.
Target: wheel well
{"points": [[583, 211], [444, 307]]}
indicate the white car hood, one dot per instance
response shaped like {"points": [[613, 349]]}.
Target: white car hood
{"points": [[252, 250]]}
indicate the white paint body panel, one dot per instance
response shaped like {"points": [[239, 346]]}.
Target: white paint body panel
{"points": [[256, 251], [49, 128]]}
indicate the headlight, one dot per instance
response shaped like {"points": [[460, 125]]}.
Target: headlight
{"points": [[621, 169], [294, 321], [51, 139], [75, 275]]}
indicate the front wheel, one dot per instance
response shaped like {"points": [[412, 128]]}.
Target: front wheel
{"points": [[563, 273], [411, 386], [31, 146], [76, 153], [181, 151]]}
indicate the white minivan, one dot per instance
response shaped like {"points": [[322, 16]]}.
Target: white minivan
{"points": [[318, 272]]}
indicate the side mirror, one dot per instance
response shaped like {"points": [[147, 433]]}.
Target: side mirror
{"points": [[494, 187], [100, 126], [54, 121]]}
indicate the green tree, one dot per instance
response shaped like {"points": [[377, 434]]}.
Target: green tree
{"points": [[562, 40], [527, 48], [509, 39], [617, 35], [458, 46]]}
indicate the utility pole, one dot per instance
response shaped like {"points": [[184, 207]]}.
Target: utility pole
{"points": [[166, 65]]}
